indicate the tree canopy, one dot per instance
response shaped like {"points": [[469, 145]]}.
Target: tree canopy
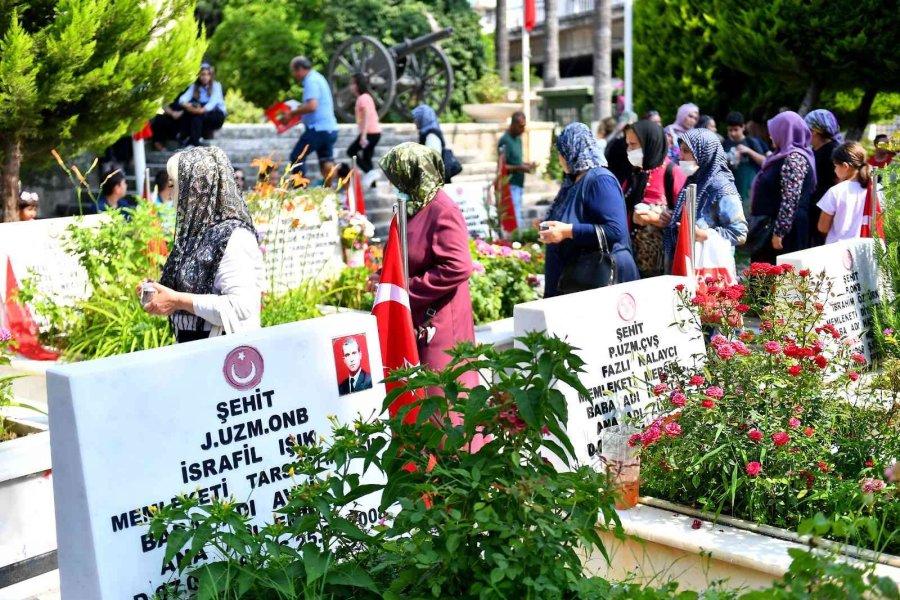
{"points": [[254, 43], [82, 73], [739, 54]]}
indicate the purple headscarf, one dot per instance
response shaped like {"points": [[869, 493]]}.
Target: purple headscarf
{"points": [[683, 111], [825, 122], [789, 133]]}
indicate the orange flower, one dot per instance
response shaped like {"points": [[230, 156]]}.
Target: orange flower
{"points": [[295, 223], [79, 175], [58, 158], [432, 461], [263, 163], [289, 207], [299, 180]]}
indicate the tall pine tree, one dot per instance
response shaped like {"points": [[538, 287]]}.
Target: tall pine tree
{"points": [[79, 74]]}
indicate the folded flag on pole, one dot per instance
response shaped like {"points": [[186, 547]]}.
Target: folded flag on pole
{"points": [[530, 15], [682, 263], [357, 191], [504, 197], [143, 134], [871, 198], [395, 325], [21, 324]]}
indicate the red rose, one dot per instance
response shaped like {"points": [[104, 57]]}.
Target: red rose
{"points": [[707, 403], [804, 273], [680, 287], [853, 375], [660, 388], [755, 435], [753, 468], [821, 361], [822, 466], [795, 370], [781, 438], [809, 431], [697, 380], [870, 464], [858, 358]]}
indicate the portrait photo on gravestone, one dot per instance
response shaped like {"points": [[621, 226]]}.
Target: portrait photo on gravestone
{"points": [[351, 361]]}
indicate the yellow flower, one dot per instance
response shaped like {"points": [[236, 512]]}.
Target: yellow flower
{"points": [[299, 180], [291, 471], [263, 163], [153, 509]]}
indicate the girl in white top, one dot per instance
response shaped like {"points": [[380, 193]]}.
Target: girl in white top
{"points": [[212, 281], [843, 205]]}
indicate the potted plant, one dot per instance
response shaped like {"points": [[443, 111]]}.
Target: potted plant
{"points": [[356, 231], [492, 106]]}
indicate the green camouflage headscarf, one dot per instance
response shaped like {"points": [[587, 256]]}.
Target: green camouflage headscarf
{"points": [[415, 170]]}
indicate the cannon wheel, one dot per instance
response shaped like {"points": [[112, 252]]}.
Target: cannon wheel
{"points": [[425, 77], [361, 54]]}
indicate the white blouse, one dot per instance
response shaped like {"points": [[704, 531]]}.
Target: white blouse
{"points": [[237, 287]]}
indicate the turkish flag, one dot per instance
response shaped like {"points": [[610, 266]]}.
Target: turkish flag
{"points": [[866, 230], [395, 326], [504, 195], [21, 324], [682, 263], [144, 133], [530, 15], [357, 191]]}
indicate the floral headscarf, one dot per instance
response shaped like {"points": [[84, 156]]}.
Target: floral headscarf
{"points": [[415, 170], [578, 146], [713, 178], [789, 133], [826, 123], [209, 209]]}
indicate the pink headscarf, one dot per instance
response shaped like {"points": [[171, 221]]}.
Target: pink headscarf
{"points": [[683, 111]]}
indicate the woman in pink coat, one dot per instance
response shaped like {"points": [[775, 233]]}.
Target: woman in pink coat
{"points": [[439, 260]]}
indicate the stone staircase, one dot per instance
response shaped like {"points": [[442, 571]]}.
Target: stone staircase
{"points": [[243, 143]]}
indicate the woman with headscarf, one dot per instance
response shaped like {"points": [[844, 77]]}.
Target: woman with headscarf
{"points": [[650, 194], [590, 195], [826, 137], [213, 278], [719, 206], [440, 263], [783, 186], [616, 151], [685, 120]]}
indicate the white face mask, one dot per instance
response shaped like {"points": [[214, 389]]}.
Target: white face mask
{"points": [[636, 157], [688, 167]]}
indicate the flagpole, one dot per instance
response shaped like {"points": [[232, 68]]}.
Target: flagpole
{"points": [[690, 205], [873, 209], [629, 76], [404, 248], [351, 183]]}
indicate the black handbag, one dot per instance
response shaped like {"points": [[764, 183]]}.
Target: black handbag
{"points": [[759, 233], [590, 269]]}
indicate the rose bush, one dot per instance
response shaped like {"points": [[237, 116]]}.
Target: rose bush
{"points": [[505, 274], [777, 426]]}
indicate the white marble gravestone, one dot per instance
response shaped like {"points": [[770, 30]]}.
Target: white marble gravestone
{"points": [[295, 251], [626, 334], [470, 197], [37, 247], [850, 266], [209, 418]]}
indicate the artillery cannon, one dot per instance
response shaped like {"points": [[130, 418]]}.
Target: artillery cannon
{"points": [[400, 77]]}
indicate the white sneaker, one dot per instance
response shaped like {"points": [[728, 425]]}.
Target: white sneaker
{"points": [[369, 179]]}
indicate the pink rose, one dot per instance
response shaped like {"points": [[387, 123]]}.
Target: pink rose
{"points": [[660, 388], [714, 391], [858, 358], [725, 351], [793, 422], [869, 485], [781, 438], [697, 380], [753, 468], [678, 399], [718, 340], [672, 429], [773, 347]]}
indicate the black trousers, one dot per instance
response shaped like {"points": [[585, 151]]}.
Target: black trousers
{"points": [[193, 127], [165, 128], [364, 155]]}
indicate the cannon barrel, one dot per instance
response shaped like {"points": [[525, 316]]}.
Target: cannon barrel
{"points": [[410, 46]]}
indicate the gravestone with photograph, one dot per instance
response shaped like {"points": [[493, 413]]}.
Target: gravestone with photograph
{"points": [[35, 248], [211, 419], [470, 197], [851, 268], [626, 334]]}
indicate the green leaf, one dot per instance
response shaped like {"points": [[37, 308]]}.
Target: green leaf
{"points": [[315, 562], [351, 575], [529, 404], [178, 538]]}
